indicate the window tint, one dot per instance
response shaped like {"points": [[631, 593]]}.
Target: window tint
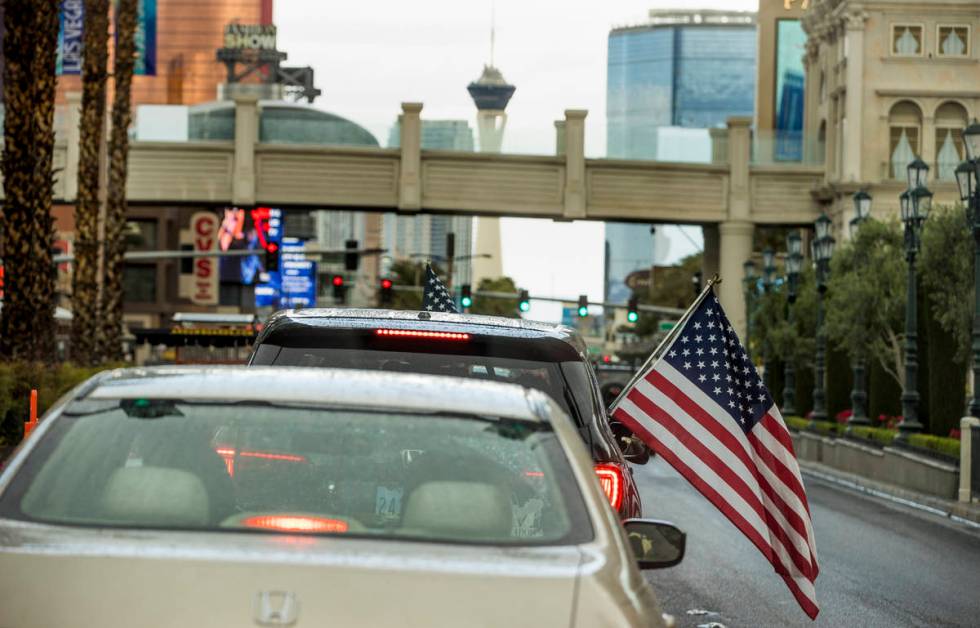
{"points": [[165, 464]]}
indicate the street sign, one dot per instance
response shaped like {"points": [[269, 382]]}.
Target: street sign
{"points": [[666, 325]]}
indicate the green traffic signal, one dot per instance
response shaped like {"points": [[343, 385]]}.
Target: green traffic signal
{"points": [[632, 310], [583, 305], [583, 311], [632, 317], [524, 301], [466, 301], [466, 298]]}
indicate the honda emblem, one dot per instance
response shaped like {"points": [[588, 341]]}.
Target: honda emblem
{"points": [[276, 608]]}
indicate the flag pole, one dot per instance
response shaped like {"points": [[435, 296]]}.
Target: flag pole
{"points": [[665, 342]]}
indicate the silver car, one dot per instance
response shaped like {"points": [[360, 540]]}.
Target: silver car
{"points": [[309, 497]]}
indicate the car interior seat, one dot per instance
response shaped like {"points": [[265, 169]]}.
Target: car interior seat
{"points": [[156, 496], [458, 510]]}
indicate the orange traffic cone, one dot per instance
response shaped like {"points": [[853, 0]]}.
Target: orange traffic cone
{"points": [[32, 422]]}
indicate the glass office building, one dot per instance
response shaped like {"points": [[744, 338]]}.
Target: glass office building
{"points": [[688, 69]]}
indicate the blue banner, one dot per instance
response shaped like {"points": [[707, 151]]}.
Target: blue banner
{"points": [[70, 19], [146, 39]]}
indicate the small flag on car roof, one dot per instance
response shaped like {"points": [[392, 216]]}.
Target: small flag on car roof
{"points": [[701, 405], [435, 296]]}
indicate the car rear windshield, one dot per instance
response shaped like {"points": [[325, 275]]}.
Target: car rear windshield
{"points": [[564, 381], [153, 463]]}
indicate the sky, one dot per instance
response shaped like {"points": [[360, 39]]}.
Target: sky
{"points": [[370, 56]]}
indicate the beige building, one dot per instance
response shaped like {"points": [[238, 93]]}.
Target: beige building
{"points": [[886, 81]]}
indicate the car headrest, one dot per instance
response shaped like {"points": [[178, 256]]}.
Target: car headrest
{"points": [[460, 510], [155, 495]]}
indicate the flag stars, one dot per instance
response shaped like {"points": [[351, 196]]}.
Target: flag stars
{"points": [[684, 339], [687, 365], [716, 377], [686, 352], [697, 339], [700, 364], [672, 353], [702, 378], [697, 325], [717, 390]]}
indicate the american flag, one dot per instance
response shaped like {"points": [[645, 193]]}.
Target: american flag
{"points": [[435, 297], [703, 407]]}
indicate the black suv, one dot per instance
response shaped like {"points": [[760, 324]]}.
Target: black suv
{"points": [[551, 358]]}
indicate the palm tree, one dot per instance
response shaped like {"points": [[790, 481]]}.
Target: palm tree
{"points": [[85, 296], [27, 322], [110, 349]]}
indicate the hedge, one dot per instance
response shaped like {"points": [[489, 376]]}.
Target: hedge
{"points": [[879, 435], [16, 381], [947, 446]]}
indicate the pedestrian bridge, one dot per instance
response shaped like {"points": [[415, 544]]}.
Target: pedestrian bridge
{"points": [[728, 196]]}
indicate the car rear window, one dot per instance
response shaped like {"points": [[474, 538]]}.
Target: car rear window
{"points": [[154, 463]]}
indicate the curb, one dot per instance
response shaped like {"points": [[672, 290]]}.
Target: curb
{"points": [[966, 514]]}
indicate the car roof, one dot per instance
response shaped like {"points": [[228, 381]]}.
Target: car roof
{"points": [[360, 318], [331, 387]]}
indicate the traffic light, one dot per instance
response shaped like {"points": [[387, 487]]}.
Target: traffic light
{"points": [[272, 257], [632, 310], [338, 288], [351, 256], [385, 292], [524, 301], [583, 305], [466, 299]]}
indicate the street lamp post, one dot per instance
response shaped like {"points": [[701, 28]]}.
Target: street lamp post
{"points": [[916, 203], [823, 249], [968, 178], [859, 392], [794, 263], [749, 283], [768, 281]]}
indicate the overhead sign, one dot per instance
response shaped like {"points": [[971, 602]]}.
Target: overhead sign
{"points": [[70, 18], [250, 36]]}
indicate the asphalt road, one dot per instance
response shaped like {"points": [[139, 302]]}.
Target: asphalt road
{"points": [[881, 564]]}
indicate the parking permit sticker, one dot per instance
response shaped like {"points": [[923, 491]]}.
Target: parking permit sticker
{"points": [[527, 519], [388, 501]]}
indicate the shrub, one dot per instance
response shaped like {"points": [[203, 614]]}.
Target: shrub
{"points": [[796, 423], [946, 446], [880, 436]]}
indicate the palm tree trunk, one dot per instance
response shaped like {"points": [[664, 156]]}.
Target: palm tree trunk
{"points": [[115, 218], [27, 322], [84, 327]]}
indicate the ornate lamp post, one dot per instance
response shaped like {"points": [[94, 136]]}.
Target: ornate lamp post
{"points": [[749, 283], [794, 263], [823, 249], [768, 281], [859, 393], [916, 203], [968, 178]]}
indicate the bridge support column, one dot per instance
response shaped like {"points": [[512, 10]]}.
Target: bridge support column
{"points": [[246, 136], [410, 179], [709, 259], [575, 164], [736, 247]]}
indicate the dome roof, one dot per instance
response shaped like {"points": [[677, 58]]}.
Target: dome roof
{"points": [[280, 122]]}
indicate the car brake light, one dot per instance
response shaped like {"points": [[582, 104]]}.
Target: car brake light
{"points": [[414, 333], [295, 523], [611, 480]]}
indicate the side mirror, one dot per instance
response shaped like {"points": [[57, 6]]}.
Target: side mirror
{"points": [[656, 544], [634, 449]]}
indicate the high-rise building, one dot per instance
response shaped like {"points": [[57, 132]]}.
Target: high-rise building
{"points": [[668, 81], [682, 68], [490, 94], [422, 235]]}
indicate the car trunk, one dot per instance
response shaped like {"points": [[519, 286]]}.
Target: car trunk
{"points": [[61, 577]]}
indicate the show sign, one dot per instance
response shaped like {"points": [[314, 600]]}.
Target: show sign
{"points": [[250, 37]]}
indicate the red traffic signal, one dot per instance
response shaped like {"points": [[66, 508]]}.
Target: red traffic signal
{"points": [[338, 281], [386, 284]]}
